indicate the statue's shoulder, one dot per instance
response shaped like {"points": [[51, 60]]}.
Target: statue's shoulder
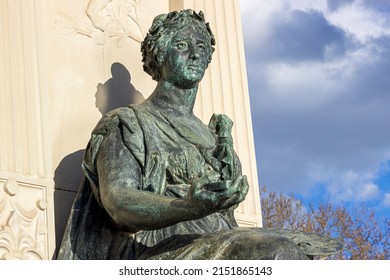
{"points": [[117, 118], [126, 122]]}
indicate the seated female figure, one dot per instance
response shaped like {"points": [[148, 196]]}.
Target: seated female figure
{"points": [[159, 184]]}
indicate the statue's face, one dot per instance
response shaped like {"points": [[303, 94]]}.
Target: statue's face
{"points": [[186, 58]]}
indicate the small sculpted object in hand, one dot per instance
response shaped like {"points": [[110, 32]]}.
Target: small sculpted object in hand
{"points": [[160, 184]]}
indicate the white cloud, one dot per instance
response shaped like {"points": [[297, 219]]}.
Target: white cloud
{"points": [[386, 200], [361, 21], [350, 186], [368, 191]]}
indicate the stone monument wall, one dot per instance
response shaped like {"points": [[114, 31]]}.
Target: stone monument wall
{"points": [[63, 65]]}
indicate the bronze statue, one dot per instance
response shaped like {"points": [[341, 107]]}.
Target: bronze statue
{"points": [[159, 184]]}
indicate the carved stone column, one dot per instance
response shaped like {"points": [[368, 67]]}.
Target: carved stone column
{"points": [[26, 187]]}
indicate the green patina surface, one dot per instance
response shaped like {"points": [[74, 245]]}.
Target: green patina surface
{"points": [[160, 184]]}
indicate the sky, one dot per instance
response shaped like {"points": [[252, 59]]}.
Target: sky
{"points": [[319, 83]]}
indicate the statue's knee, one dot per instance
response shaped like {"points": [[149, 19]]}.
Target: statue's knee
{"points": [[286, 249], [254, 245], [268, 248]]}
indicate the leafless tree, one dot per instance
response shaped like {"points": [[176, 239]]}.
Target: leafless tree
{"points": [[365, 236]]}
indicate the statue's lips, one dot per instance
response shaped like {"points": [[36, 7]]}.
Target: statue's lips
{"points": [[194, 66]]}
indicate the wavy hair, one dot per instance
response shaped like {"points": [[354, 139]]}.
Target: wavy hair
{"points": [[164, 27]]}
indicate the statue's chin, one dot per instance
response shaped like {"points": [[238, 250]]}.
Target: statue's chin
{"points": [[189, 81]]}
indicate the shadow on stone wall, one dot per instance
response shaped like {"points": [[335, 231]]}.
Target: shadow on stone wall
{"points": [[117, 91], [114, 93]]}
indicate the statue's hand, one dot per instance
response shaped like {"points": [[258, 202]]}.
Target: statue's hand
{"points": [[234, 190], [211, 194]]}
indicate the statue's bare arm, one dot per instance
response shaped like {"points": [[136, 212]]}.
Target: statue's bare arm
{"points": [[134, 209]]}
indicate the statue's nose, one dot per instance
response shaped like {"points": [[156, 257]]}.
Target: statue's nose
{"points": [[194, 53]]}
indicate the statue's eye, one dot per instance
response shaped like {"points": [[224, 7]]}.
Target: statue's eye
{"points": [[202, 47], [181, 46]]}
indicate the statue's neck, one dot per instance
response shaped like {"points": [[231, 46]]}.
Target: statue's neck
{"points": [[168, 97]]}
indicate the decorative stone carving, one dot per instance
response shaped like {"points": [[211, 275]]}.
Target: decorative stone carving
{"points": [[11, 187], [23, 230], [105, 19]]}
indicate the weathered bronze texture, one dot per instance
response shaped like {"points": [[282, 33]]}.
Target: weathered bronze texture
{"points": [[159, 184]]}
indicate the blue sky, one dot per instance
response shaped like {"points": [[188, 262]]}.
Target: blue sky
{"points": [[319, 81]]}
